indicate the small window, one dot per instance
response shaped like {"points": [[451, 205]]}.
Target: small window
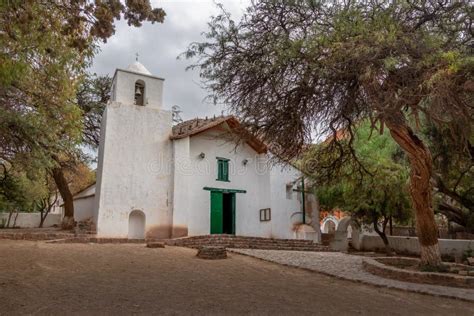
{"points": [[222, 169], [289, 191], [265, 215]]}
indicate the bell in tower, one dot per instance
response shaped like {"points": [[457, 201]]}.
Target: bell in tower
{"points": [[139, 93]]}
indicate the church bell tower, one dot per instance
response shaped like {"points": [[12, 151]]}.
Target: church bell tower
{"points": [[134, 167], [137, 86]]}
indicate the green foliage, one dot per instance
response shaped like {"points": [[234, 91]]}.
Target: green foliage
{"points": [[467, 254], [20, 189], [444, 268], [381, 193], [45, 49], [38, 117]]}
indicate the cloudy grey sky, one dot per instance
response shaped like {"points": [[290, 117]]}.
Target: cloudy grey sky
{"points": [[158, 45]]}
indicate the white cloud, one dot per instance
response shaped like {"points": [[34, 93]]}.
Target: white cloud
{"points": [[159, 45]]}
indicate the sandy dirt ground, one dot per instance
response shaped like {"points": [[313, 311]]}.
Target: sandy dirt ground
{"points": [[92, 279]]}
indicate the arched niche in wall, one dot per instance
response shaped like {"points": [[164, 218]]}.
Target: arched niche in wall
{"points": [[136, 225], [329, 225]]}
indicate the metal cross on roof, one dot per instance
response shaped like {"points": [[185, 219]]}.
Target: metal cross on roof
{"points": [[136, 56]]}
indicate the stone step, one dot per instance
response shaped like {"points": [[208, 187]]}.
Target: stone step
{"points": [[230, 241], [251, 245], [236, 243]]}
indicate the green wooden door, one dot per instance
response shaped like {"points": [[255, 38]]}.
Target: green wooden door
{"points": [[233, 213], [216, 212]]}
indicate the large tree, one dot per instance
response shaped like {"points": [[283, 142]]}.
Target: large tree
{"points": [[290, 69], [46, 48], [378, 197]]}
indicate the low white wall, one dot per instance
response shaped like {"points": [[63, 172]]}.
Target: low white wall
{"points": [[84, 208], [410, 245], [31, 220]]}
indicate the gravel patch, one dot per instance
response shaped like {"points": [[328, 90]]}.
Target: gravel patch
{"points": [[349, 267]]}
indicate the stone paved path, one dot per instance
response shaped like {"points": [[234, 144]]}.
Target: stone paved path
{"points": [[349, 267]]}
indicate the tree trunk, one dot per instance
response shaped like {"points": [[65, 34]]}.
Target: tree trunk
{"points": [[14, 221], [45, 212], [9, 218], [420, 188], [381, 233], [43, 216], [63, 188], [391, 225], [41, 220]]}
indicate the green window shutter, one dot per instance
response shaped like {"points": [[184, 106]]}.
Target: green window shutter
{"points": [[219, 169], [225, 171], [222, 169]]}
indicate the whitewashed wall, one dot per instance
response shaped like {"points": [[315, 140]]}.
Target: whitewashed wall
{"points": [[410, 245], [32, 220], [265, 187], [203, 173], [191, 211], [84, 204], [100, 169], [182, 176], [83, 208], [286, 211], [134, 171], [123, 88]]}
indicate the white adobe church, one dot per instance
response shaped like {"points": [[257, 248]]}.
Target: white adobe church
{"points": [[156, 180]]}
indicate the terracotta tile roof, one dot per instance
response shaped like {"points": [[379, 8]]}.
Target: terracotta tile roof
{"points": [[199, 125], [340, 134]]}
